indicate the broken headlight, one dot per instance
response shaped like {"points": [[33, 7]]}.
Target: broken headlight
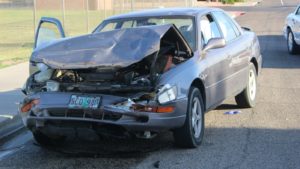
{"points": [[44, 74], [52, 86], [167, 93]]}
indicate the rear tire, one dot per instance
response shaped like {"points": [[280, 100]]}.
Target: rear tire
{"points": [[190, 135], [293, 48], [45, 140], [246, 99]]}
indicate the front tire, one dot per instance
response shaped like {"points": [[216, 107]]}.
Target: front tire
{"points": [[190, 135], [293, 48], [246, 99], [45, 140]]}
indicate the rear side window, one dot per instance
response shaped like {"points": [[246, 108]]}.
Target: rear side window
{"points": [[229, 29]]}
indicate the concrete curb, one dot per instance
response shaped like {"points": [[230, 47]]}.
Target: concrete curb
{"points": [[219, 4], [10, 126], [242, 4]]}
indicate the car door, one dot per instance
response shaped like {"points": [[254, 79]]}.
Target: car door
{"points": [[48, 31], [215, 60], [238, 50]]}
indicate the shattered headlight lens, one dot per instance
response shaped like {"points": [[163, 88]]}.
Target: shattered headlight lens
{"points": [[44, 74], [42, 66], [167, 93], [52, 86]]}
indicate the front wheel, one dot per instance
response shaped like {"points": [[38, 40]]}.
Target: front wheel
{"points": [[190, 135], [45, 140], [293, 48], [246, 99]]}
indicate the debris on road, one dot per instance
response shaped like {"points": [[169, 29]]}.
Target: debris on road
{"points": [[232, 112]]}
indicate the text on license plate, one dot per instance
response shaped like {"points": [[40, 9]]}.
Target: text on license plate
{"points": [[84, 102]]}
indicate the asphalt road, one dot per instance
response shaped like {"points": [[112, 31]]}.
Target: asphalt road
{"points": [[267, 136], [12, 80]]}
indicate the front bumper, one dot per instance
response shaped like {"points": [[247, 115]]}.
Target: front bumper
{"points": [[53, 109], [284, 31]]}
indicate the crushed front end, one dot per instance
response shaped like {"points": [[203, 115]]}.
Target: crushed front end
{"points": [[111, 99]]}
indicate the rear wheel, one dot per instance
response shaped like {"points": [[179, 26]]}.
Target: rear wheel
{"points": [[45, 140], [246, 98], [190, 135], [293, 48]]}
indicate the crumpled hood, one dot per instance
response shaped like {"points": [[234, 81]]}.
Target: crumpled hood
{"points": [[121, 47]]}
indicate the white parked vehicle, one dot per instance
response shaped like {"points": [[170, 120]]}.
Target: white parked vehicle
{"points": [[291, 31]]}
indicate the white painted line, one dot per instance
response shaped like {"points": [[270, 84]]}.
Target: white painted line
{"points": [[7, 116], [4, 153], [282, 3]]}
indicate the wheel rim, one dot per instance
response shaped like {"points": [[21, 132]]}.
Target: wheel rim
{"points": [[252, 84], [196, 117], [290, 41]]}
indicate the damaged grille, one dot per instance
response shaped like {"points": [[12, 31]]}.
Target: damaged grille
{"points": [[99, 115]]}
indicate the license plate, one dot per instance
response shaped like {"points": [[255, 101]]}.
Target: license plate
{"points": [[84, 102]]}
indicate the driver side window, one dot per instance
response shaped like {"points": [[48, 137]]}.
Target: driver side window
{"points": [[209, 29]]}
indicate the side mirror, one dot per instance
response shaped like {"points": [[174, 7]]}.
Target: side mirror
{"points": [[214, 43]]}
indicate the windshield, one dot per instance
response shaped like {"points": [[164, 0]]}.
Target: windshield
{"points": [[184, 24]]}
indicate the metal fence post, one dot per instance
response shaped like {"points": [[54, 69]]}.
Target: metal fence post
{"points": [[104, 9], [123, 6], [34, 17], [87, 14], [131, 4], [63, 13]]}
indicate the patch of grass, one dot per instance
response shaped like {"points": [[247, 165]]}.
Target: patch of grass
{"points": [[16, 36], [17, 30]]}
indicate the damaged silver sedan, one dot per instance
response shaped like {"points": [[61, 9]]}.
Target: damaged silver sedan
{"points": [[139, 74]]}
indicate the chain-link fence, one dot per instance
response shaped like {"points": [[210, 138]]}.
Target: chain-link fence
{"points": [[19, 18]]}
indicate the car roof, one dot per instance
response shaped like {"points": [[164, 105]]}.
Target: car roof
{"points": [[164, 12]]}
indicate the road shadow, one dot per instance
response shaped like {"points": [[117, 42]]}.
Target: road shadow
{"points": [[222, 148], [275, 53], [228, 107], [109, 147]]}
